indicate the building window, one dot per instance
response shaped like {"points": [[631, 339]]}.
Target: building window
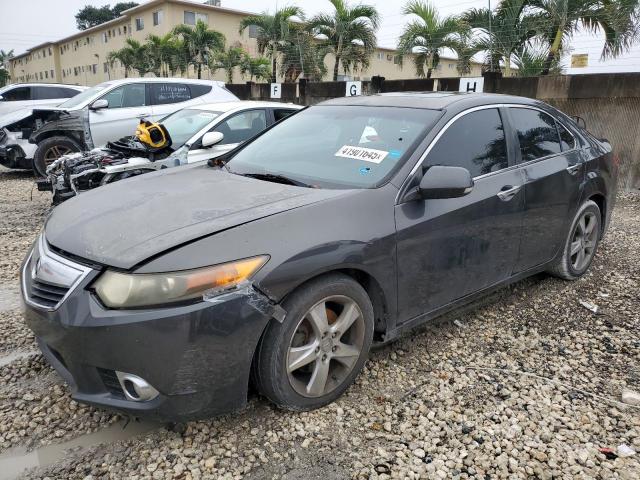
{"points": [[46, 74], [105, 67], [157, 18], [104, 37], [380, 56], [396, 59], [52, 74], [253, 31], [125, 29], [139, 24], [191, 18]]}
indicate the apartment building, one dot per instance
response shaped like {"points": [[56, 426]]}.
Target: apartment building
{"points": [[82, 57]]}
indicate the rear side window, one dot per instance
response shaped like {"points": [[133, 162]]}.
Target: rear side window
{"points": [[17, 94], [475, 141], [199, 90], [537, 133], [47, 93], [167, 93], [280, 113], [566, 138]]}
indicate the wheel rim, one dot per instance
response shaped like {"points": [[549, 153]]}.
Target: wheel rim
{"points": [[55, 152], [583, 241], [325, 346]]}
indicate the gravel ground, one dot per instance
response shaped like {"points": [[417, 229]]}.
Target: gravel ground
{"points": [[526, 384]]}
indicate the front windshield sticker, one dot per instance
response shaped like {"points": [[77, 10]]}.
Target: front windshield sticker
{"points": [[360, 153]]}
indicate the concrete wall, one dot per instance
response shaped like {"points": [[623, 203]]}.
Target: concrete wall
{"points": [[609, 103]]}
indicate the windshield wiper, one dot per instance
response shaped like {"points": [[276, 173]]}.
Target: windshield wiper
{"points": [[276, 178]]}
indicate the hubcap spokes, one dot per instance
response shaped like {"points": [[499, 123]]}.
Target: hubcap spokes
{"points": [[325, 346], [583, 242], [55, 152]]}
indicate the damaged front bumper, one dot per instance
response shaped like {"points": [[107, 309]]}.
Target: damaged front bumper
{"points": [[15, 152], [197, 357]]}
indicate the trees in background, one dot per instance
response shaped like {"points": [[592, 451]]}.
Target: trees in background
{"points": [[258, 68], [426, 37], [349, 33], [90, 16], [273, 32], [228, 60], [200, 42]]}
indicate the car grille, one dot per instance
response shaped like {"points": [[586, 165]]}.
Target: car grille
{"points": [[45, 294], [111, 382], [47, 278]]}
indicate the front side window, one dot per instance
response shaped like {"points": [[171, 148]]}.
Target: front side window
{"points": [[165, 93], [17, 94], [331, 146], [184, 124], [126, 96], [537, 133], [242, 126], [475, 141]]}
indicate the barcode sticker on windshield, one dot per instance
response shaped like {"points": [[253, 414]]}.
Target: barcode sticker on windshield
{"points": [[360, 153]]}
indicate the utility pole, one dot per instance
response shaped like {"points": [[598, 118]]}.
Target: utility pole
{"points": [[490, 39]]}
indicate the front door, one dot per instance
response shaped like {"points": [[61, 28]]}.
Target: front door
{"points": [[450, 248], [127, 104], [553, 171]]}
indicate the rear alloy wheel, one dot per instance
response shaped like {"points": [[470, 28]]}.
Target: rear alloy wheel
{"points": [[49, 150], [311, 358], [581, 244]]}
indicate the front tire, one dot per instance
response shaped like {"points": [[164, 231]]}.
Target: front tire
{"points": [[315, 354], [49, 150], [581, 244]]}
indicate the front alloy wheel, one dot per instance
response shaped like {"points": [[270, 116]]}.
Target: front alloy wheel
{"points": [[325, 346], [312, 357]]}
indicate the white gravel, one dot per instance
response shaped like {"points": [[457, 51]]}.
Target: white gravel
{"points": [[528, 384]]}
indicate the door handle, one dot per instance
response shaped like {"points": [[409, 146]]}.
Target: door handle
{"points": [[508, 192], [573, 169]]}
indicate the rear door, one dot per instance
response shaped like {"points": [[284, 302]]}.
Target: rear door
{"points": [[237, 128], [450, 248], [549, 157], [127, 104]]}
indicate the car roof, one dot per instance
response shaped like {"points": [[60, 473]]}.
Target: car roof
{"points": [[190, 81], [241, 104], [76, 87], [429, 100]]}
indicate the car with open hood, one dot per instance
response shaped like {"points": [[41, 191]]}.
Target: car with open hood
{"points": [[190, 135], [105, 112], [344, 225]]}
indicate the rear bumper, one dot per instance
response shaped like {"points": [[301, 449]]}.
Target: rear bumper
{"points": [[198, 357]]}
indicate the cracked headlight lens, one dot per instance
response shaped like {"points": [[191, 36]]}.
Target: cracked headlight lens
{"points": [[122, 290]]}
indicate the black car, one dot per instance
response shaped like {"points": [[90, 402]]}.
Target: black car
{"points": [[345, 224]]}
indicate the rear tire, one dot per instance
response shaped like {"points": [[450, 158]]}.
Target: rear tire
{"points": [[315, 354], [581, 243], [51, 149]]}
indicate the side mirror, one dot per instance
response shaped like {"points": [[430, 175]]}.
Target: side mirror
{"points": [[210, 139], [445, 182], [580, 122], [99, 104]]}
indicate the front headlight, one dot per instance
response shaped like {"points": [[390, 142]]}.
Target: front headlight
{"points": [[121, 290]]}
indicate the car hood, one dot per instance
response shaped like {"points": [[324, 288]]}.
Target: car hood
{"points": [[14, 116], [127, 222]]}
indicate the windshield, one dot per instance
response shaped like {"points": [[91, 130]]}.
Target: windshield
{"points": [[85, 96], [184, 124], [337, 146]]}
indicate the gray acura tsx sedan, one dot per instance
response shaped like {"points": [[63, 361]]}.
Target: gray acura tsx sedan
{"points": [[345, 224]]}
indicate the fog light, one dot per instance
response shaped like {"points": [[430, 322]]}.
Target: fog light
{"points": [[136, 388]]}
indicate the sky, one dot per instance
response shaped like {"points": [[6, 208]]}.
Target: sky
{"points": [[26, 23]]}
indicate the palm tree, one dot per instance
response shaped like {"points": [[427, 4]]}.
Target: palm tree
{"points": [[5, 56], [200, 42], [273, 32], [465, 47], [425, 38], [560, 19], [350, 33], [4, 61], [228, 60], [531, 61], [162, 53], [507, 28], [302, 54], [258, 68], [133, 56]]}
